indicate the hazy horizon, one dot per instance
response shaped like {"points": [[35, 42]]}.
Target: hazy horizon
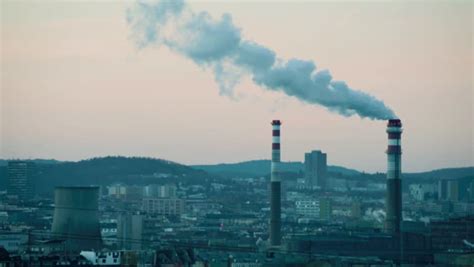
{"points": [[75, 86]]}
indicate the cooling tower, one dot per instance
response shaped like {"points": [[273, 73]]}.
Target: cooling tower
{"points": [[76, 217], [275, 187], [393, 201]]}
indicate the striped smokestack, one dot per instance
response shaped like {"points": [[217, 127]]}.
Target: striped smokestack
{"points": [[393, 199], [275, 193]]}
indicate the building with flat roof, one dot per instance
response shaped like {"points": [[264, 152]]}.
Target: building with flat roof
{"points": [[315, 169], [164, 206], [20, 179]]}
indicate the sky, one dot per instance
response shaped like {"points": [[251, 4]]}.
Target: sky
{"points": [[74, 85]]}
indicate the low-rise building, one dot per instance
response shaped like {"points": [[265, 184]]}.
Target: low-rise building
{"points": [[164, 206]]}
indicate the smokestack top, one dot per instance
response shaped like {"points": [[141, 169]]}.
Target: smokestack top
{"points": [[276, 122], [394, 123]]}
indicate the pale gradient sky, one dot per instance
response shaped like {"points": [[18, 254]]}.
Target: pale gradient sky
{"points": [[74, 86]]}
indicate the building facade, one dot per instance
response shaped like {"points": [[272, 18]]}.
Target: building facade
{"points": [[325, 206], [160, 191], [307, 208], [164, 206], [315, 167], [422, 192], [20, 179]]}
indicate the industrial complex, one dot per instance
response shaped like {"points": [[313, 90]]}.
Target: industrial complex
{"points": [[311, 215]]}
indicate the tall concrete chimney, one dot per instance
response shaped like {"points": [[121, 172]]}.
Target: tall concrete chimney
{"points": [[393, 201], [275, 193]]}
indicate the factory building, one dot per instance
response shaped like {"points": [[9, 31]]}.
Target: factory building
{"points": [[452, 234], [20, 179], [315, 169], [76, 217]]}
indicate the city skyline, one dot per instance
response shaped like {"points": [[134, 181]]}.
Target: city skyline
{"points": [[80, 88]]}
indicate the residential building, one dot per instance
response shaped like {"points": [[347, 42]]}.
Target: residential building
{"points": [[20, 179], [315, 166], [325, 209], [163, 206], [308, 208]]}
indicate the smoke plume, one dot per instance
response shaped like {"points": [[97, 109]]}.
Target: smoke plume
{"points": [[375, 215], [217, 44]]}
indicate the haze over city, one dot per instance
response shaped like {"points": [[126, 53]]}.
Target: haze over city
{"points": [[76, 85], [236, 133]]}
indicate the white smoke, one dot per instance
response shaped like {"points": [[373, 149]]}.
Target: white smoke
{"points": [[217, 44], [375, 215]]}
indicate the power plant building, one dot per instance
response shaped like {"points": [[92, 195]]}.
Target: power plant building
{"points": [[315, 169], [76, 218], [20, 179]]}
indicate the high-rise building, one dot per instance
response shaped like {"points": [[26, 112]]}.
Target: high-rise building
{"points": [[20, 179], [315, 166]]}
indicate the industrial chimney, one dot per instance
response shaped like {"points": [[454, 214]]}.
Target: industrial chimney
{"points": [[76, 217], [275, 185], [393, 199]]}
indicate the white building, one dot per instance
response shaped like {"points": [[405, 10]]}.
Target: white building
{"points": [[308, 208], [421, 191], [102, 258]]}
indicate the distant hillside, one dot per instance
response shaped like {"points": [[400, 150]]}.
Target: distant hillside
{"points": [[107, 170], [444, 173], [4, 162], [138, 170], [262, 168]]}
